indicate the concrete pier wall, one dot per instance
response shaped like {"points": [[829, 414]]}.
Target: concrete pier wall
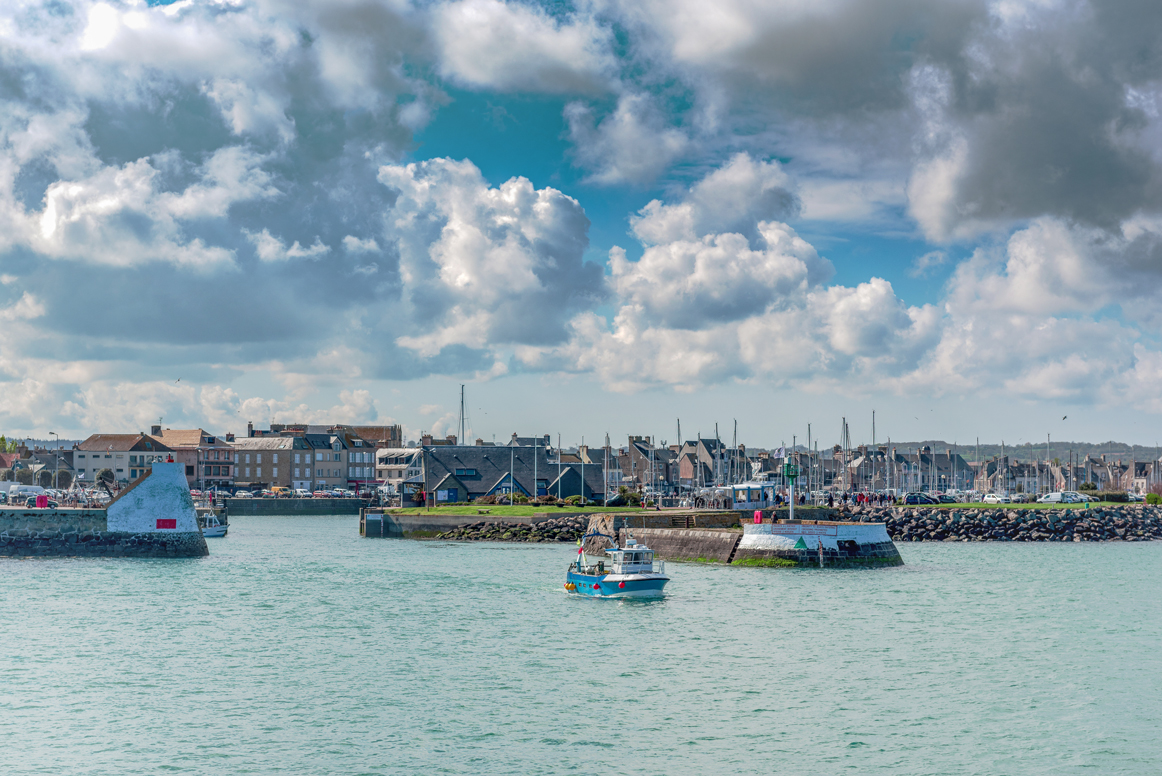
{"points": [[393, 526], [153, 518], [251, 507], [814, 543], [85, 533], [694, 544]]}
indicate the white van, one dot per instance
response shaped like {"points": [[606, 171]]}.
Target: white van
{"points": [[21, 492], [1050, 498]]}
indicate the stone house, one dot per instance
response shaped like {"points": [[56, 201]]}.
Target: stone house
{"points": [[212, 455], [262, 462], [128, 456]]}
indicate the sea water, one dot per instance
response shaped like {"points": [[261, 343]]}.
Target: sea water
{"points": [[299, 648]]}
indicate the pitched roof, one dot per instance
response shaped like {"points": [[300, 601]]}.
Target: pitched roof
{"points": [[379, 436], [324, 441], [122, 443], [188, 437], [265, 443], [491, 465]]}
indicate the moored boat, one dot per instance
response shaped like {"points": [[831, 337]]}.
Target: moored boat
{"points": [[211, 526], [633, 573]]}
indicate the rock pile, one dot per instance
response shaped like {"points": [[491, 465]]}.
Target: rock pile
{"points": [[561, 529], [1137, 523]]}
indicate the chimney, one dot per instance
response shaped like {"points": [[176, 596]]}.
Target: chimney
{"points": [[479, 442], [154, 431], [229, 437], [249, 429], [451, 439]]}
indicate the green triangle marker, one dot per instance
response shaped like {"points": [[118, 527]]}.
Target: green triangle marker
{"points": [[801, 545]]}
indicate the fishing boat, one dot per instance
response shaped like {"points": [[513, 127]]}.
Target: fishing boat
{"points": [[211, 526], [633, 573]]}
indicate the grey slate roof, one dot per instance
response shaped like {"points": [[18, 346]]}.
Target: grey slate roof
{"points": [[491, 467]]}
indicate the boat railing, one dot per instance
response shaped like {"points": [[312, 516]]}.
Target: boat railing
{"points": [[653, 567]]}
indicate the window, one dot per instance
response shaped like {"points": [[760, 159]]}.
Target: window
{"points": [[274, 472], [318, 456], [189, 470], [298, 459], [274, 458], [248, 461], [258, 471], [258, 457], [247, 472], [318, 472], [297, 472], [132, 460], [465, 472]]}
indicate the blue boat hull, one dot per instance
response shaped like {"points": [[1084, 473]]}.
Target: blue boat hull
{"points": [[601, 586]]}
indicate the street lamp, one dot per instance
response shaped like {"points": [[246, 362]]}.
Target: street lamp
{"points": [[56, 464]]}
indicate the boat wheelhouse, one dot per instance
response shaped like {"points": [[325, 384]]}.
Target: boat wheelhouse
{"points": [[633, 573]]}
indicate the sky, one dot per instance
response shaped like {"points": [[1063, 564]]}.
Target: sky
{"points": [[600, 217]]}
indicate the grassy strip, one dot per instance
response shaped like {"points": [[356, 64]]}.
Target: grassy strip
{"points": [[766, 562], [516, 510]]}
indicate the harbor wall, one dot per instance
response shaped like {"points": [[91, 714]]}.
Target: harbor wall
{"points": [[829, 544], [693, 544], [153, 518], [393, 526], [85, 533], [253, 507]]}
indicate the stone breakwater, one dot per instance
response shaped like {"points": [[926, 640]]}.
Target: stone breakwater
{"points": [[152, 518], [1136, 523], [562, 529], [85, 533]]}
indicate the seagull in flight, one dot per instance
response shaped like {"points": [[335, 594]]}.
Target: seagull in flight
{"points": [[1063, 417], [178, 380]]}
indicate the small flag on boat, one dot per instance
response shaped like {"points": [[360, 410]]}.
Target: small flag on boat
{"points": [[580, 548]]}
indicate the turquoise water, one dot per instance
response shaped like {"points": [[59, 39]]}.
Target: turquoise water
{"points": [[299, 648]]}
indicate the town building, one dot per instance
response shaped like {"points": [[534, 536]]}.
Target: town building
{"points": [[451, 473], [262, 462], [212, 455], [328, 460], [393, 465], [127, 456]]}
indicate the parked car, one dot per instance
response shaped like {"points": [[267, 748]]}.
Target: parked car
{"points": [[1135, 497], [281, 491], [31, 502], [1021, 498], [302, 493], [321, 494], [944, 498], [919, 498], [1073, 497], [996, 498], [243, 494]]}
